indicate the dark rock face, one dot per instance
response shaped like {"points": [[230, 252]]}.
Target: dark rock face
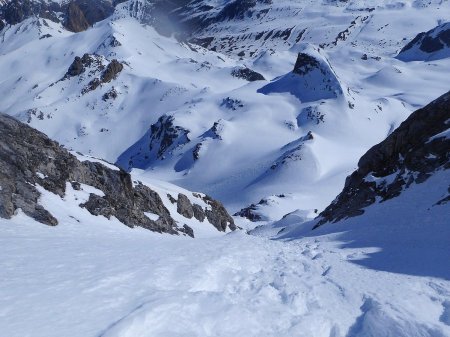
{"points": [[80, 64], [165, 136], [75, 19], [28, 158], [15, 11], [76, 68], [94, 63], [27, 155], [218, 215], [199, 214], [429, 42], [78, 15], [247, 74], [158, 143], [184, 206], [411, 154], [111, 71], [305, 63], [249, 213]]}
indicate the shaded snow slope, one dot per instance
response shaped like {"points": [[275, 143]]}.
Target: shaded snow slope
{"points": [[410, 234]]}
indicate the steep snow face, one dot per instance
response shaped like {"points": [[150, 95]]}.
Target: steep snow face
{"points": [[103, 279], [181, 113], [432, 45], [418, 149]]}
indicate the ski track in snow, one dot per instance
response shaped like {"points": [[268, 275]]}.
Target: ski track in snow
{"points": [[71, 281]]}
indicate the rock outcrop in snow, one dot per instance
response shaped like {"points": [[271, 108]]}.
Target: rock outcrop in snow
{"points": [[410, 155], [30, 161], [312, 78], [428, 46]]}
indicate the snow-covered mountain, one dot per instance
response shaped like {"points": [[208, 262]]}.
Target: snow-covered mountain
{"points": [[267, 106], [195, 117]]}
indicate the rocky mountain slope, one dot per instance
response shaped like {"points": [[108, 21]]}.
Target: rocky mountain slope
{"points": [[75, 15], [31, 165], [397, 200], [417, 150]]}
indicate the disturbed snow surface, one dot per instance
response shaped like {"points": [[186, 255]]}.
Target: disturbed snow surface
{"points": [[369, 276], [108, 280]]}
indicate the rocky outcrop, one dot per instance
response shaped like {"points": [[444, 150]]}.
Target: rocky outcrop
{"points": [[247, 74], [250, 212], [99, 73], [76, 68], [215, 212], [428, 46], [29, 159], [75, 15], [75, 20], [184, 206], [313, 78], [410, 155], [217, 215], [159, 143], [111, 71]]}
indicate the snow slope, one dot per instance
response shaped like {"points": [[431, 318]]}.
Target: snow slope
{"points": [[410, 232], [99, 279]]}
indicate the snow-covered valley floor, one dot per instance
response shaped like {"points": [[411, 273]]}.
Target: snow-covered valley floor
{"points": [[108, 280]]}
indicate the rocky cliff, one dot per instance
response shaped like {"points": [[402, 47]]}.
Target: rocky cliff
{"points": [[29, 161], [75, 15], [410, 155]]}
